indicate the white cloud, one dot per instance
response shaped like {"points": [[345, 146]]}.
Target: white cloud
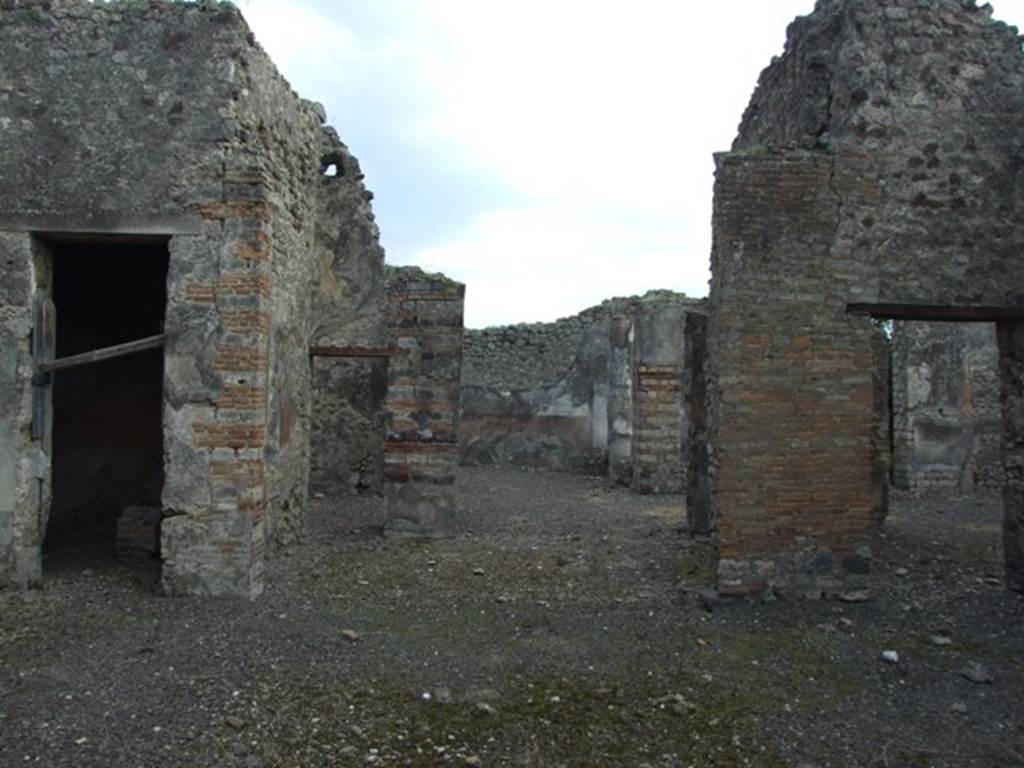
{"points": [[527, 264], [599, 117]]}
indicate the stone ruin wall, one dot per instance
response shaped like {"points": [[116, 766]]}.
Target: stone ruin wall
{"points": [[201, 140], [425, 320], [536, 395], [347, 437], [947, 420], [658, 418], [350, 312], [602, 391], [873, 167], [696, 456]]}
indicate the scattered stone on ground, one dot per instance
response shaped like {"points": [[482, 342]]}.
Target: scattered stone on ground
{"points": [[610, 675], [977, 673], [855, 596]]}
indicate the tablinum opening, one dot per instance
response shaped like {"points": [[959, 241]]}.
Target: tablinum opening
{"points": [[946, 424], [107, 416]]}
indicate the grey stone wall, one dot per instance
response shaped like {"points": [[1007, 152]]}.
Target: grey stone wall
{"points": [[947, 422], [881, 425], [877, 169], [538, 394], [620, 398], [167, 118], [347, 441], [1011, 371], [23, 498], [421, 450]]}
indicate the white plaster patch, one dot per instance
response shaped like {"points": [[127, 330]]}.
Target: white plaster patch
{"points": [[919, 384]]}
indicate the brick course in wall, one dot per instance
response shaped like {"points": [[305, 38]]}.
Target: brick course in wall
{"points": [[658, 429], [421, 446], [558, 395], [658, 420]]}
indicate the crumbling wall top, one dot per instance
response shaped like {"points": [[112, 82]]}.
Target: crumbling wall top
{"points": [[866, 71], [527, 355]]}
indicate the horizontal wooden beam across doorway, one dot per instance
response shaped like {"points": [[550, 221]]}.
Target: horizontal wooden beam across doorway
{"points": [[104, 353], [936, 313]]}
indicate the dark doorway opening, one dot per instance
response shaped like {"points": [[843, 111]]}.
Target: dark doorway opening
{"points": [[946, 432], [107, 433], [347, 443]]}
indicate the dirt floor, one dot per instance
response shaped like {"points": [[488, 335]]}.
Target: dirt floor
{"points": [[558, 627]]}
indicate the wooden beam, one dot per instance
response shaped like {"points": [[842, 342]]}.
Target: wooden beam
{"points": [[354, 352], [106, 353], [936, 313]]}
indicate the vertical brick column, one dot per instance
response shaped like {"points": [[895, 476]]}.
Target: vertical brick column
{"points": [[1011, 370], [212, 537], [658, 400], [790, 378], [421, 444]]}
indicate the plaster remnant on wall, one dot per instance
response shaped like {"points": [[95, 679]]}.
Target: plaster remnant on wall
{"points": [[558, 395], [946, 412]]}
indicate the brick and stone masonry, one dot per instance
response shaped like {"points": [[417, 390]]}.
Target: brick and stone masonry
{"points": [[184, 134], [659, 419], [792, 454], [563, 395], [425, 314], [695, 444], [620, 398], [873, 176]]}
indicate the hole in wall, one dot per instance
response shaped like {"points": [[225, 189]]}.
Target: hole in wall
{"points": [[332, 166]]}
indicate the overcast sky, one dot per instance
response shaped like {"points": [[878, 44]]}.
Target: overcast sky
{"points": [[548, 153]]}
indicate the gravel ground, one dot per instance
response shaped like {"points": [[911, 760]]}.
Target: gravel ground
{"points": [[558, 627]]}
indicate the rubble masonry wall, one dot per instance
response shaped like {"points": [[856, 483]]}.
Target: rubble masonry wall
{"points": [[560, 395], [873, 167], [425, 314], [167, 118]]}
